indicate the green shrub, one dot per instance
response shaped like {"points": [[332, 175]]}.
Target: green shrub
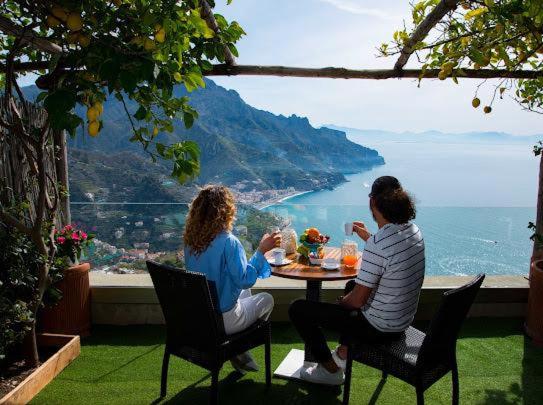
{"points": [[19, 260], [18, 269]]}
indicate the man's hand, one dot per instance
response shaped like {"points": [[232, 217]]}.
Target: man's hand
{"points": [[361, 230]]}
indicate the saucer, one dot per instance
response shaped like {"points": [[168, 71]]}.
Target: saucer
{"points": [[283, 263], [330, 264]]}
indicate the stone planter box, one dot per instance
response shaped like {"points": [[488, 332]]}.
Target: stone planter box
{"points": [[69, 347]]}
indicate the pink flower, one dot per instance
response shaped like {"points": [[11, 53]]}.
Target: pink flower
{"points": [[75, 236], [83, 235], [61, 240], [68, 228]]}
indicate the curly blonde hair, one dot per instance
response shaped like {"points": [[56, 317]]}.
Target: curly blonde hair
{"points": [[210, 213]]}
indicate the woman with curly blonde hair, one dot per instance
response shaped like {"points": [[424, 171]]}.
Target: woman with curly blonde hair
{"points": [[212, 249]]}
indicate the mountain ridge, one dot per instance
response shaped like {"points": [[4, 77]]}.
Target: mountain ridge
{"points": [[242, 147], [471, 136]]}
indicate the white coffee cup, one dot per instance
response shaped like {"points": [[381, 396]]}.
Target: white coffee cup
{"points": [[278, 255], [349, 228]]}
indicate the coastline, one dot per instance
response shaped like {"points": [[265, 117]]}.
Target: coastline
{"points": [[268, 203]]}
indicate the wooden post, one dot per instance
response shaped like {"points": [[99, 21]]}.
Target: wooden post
{"points": [[61, 162], [537, 252]]}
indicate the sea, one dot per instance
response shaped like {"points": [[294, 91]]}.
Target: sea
{"points": [[474, 201]]}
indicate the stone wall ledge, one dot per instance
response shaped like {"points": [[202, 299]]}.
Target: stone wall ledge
{"points": [[130, 298]]}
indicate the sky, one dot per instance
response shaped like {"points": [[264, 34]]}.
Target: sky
{"points": [[346, 33]]}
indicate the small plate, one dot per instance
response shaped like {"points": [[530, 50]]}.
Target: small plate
{"points": [[283, 263]]}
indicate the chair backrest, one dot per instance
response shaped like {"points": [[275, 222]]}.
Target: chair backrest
{"points": [[439, 345], [190, 307]]}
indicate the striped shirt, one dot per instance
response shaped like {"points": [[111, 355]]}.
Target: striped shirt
{"points": [[393, 266]]}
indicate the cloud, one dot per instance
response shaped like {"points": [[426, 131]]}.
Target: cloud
{"points": [[354, 7]]}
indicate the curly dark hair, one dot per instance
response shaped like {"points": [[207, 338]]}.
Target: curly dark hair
{"points": [[210, 213], [392, 201]]}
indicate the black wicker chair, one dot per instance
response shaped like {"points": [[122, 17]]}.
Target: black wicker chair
{"points": [[194, 325], [417, 358]]}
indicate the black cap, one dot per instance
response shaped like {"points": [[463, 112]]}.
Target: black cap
{"points": [[384, 183]]}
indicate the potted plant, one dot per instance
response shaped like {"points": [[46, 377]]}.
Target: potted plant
{"points": [[534, 320], [71, 315]]}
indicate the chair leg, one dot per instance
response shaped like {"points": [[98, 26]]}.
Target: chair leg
{"points": [[420, 395], [267, 360], [164, 376], [384, 375], [348, 373], [455, 385], [214, 399]]}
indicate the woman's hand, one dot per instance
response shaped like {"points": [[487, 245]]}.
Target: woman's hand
{"points": [[268, 242], [361, 230]]}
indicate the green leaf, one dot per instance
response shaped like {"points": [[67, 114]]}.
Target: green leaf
{"points": [[109, 70], [59, 101], [129, 81], [41, 96], [474, 13], [141, 113], [188, 119], [160, 148]]}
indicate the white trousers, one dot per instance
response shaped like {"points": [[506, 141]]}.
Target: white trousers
{"points": [[247, 311]]}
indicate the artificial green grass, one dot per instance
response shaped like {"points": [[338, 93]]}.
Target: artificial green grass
{"points": [[121, 365]]}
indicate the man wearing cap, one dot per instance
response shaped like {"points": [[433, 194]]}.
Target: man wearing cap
{"points": [[381, 302]]}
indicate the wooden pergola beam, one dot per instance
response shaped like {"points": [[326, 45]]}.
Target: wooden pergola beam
{"points": [[329, 72], [29, 37], [422, 30], [373, 74], [26, 66]]}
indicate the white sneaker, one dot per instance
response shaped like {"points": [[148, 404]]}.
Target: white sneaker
{"points": [[319, 375], [338, 360]]}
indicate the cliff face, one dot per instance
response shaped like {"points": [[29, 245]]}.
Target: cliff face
{"points": [[238, 143]]}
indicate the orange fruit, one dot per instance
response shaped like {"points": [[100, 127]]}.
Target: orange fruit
{"points": [[313, 232]]}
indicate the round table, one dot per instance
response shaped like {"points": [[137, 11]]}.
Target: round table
{"points": [[313, 275]]}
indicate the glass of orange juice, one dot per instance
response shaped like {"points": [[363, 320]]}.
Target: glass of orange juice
{"points": [[350, 260]]}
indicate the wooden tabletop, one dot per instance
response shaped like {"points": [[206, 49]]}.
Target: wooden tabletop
{"points": [[304, 271]]}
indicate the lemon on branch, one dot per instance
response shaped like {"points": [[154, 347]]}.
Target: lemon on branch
{"points": [[99, 107], [160, 36], [149, 44], [475, 102], [72, 37], [94, 128], [59, 13], [155, 131], [52, 21], [92, 114], [487, 109], [74, 22], [83, 40]]}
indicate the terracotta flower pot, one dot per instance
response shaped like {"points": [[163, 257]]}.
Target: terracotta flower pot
{"points": [[534, 317], [71, 315]]}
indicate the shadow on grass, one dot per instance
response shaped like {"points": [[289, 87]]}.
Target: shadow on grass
{"points": [[247, 391], [150, 335], [531, 390]]}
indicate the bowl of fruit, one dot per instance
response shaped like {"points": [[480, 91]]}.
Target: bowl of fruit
{"points": [[312, 245]]}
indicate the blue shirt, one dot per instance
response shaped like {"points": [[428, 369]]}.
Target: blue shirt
{"points": [[225, 263]]}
